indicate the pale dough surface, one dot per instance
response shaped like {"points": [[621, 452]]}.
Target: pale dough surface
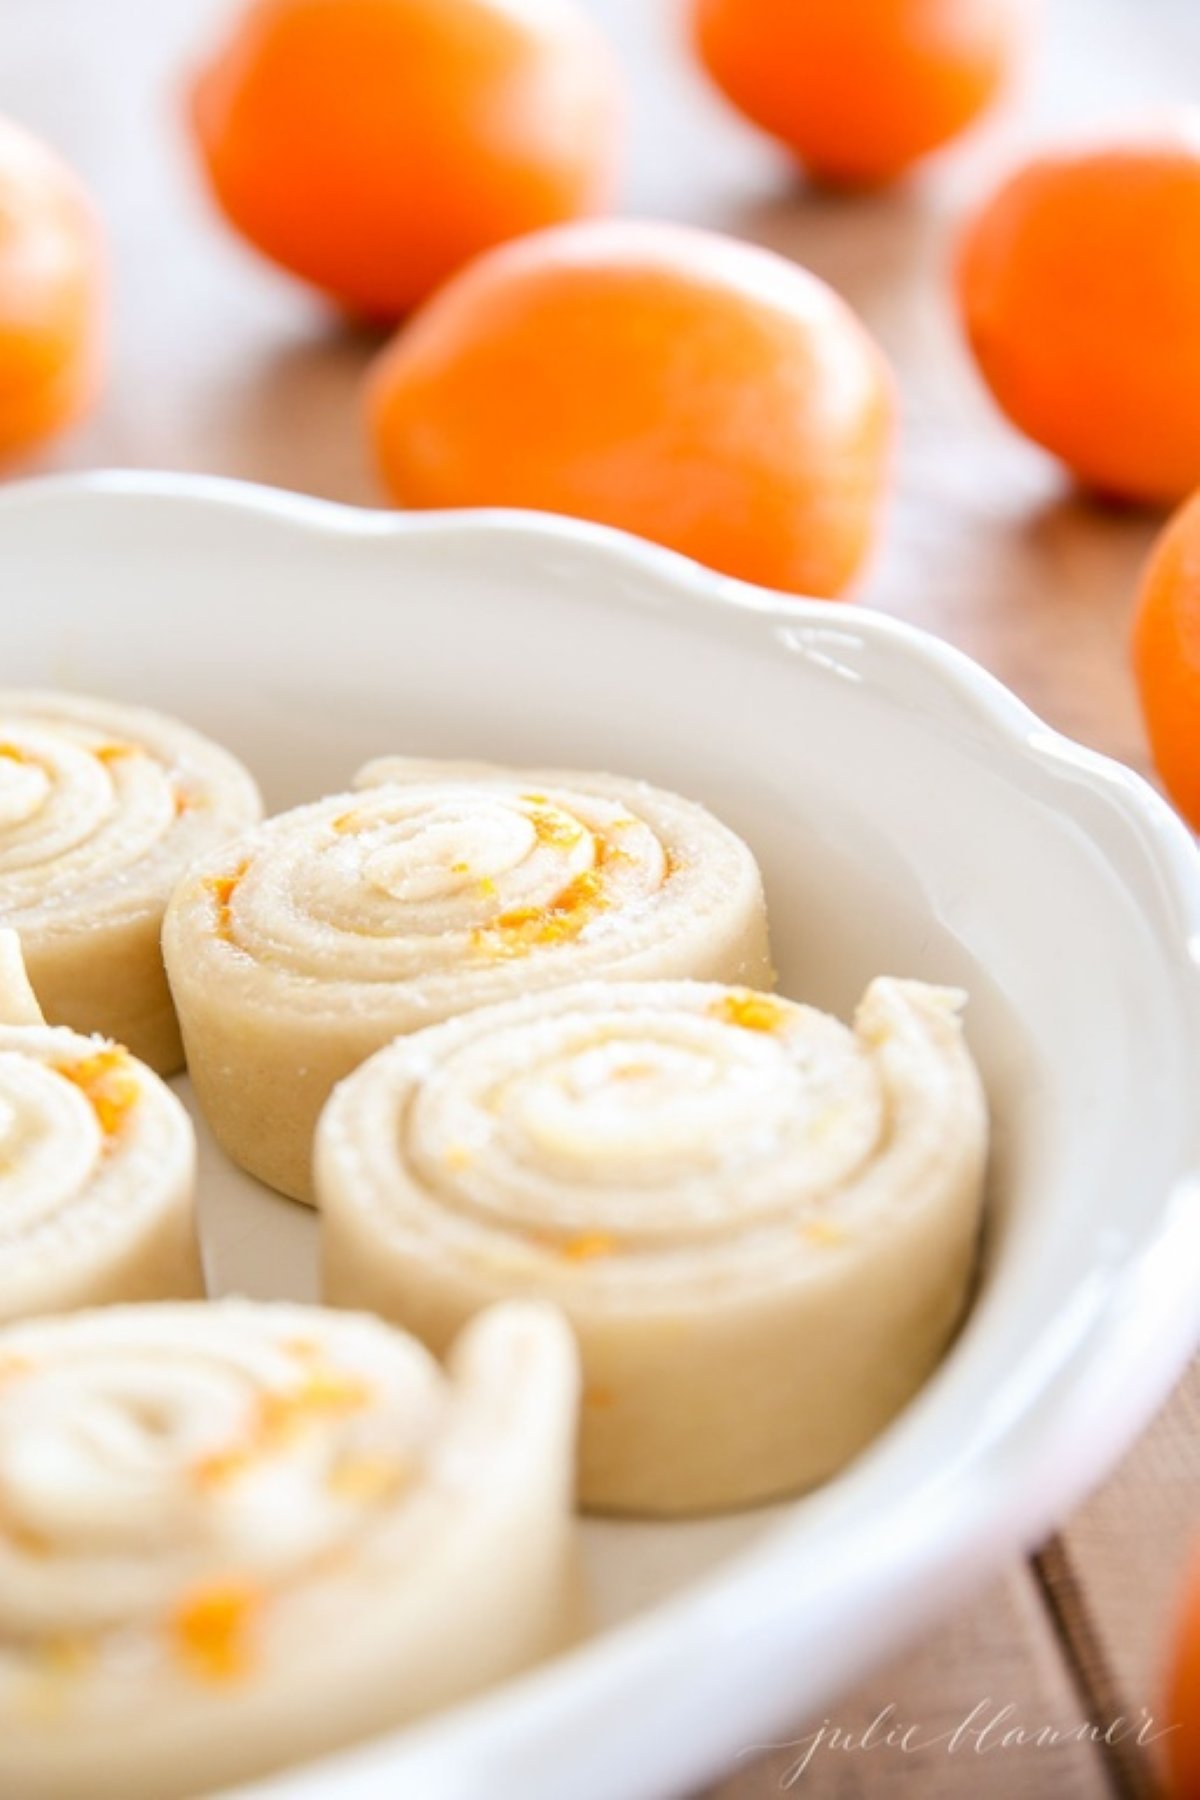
{"points": [[297, 951], [762, 1224], [97, 1168], [102, 807]]}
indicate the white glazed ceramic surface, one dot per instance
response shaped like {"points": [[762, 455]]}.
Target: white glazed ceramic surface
{"points": [[911, 818]]}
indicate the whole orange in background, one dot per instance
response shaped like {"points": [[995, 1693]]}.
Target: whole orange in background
{"points": [[859, 90], [1079, 286], [373, 146], [1166, 662], [1181, 1719], [51, 294], [695, 390]]}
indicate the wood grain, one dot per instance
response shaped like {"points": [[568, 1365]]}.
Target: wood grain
{"points": [[221, 364], [934, 1722]]}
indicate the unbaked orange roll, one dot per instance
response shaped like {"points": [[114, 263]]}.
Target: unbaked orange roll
{"points": [[301, 948], [97, 1168], [102, 807], [761, 1224], [238, 1535]]}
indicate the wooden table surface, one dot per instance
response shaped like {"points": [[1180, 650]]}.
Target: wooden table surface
{"points": [[222, 365]]}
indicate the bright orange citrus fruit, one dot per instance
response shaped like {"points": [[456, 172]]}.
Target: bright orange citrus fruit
{"points": [[51, 294], [1079, 287], [1166, 661], [1182, 1721], [859, 90], [695, 390], [373, 146]]}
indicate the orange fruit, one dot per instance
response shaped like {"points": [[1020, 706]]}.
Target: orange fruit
{"points": [[1079, 287], [1166, 658], [1181, 1723], [701, 392], [859, 90], [373, 146], [51, 293]]}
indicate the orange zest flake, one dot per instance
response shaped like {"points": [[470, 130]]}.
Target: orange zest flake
{"points": [[65, 1655], [323, 1390], [12, 1367], [57, 1661], [460, 868], [111, 753], [107, 1082], [326, 1389], [221, 1466], [213, 1626], [634, 1071], [347, 823], [14, 753], [586, 1246], [822, 1232], [561, 922], [750, 1011], [552, 828], [364, 1479], [222, 888], [25, 1539], [607, 854]]}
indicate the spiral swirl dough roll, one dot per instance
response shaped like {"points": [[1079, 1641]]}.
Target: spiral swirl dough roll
{"points": [[761, 1224], [97, 1168], [237, 1535], [296, 952], [102, 807]]}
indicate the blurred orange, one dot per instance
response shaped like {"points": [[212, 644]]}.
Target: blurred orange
{"points": [[860, 89], [1079, 286], [373, 146], [1166, 662], [1182, 1722], [51, 293], [698, 391]]}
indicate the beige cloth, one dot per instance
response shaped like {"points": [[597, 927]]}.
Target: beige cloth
{"points": [[299, 950], [239, 1535], [761, 1224], [102, 807]]}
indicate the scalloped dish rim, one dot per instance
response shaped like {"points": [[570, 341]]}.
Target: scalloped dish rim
{"points": [[1081, 1393]]}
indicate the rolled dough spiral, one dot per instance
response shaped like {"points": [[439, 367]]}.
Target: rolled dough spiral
{"points": [[102, 807], [237, 1535], [299, 950], [761, 1224]]}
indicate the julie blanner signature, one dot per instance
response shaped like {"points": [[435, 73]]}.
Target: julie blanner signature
{"points": [[989, 1727]]}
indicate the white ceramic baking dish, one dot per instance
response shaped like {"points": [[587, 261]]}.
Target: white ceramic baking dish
{"points": [[911, 817]]}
